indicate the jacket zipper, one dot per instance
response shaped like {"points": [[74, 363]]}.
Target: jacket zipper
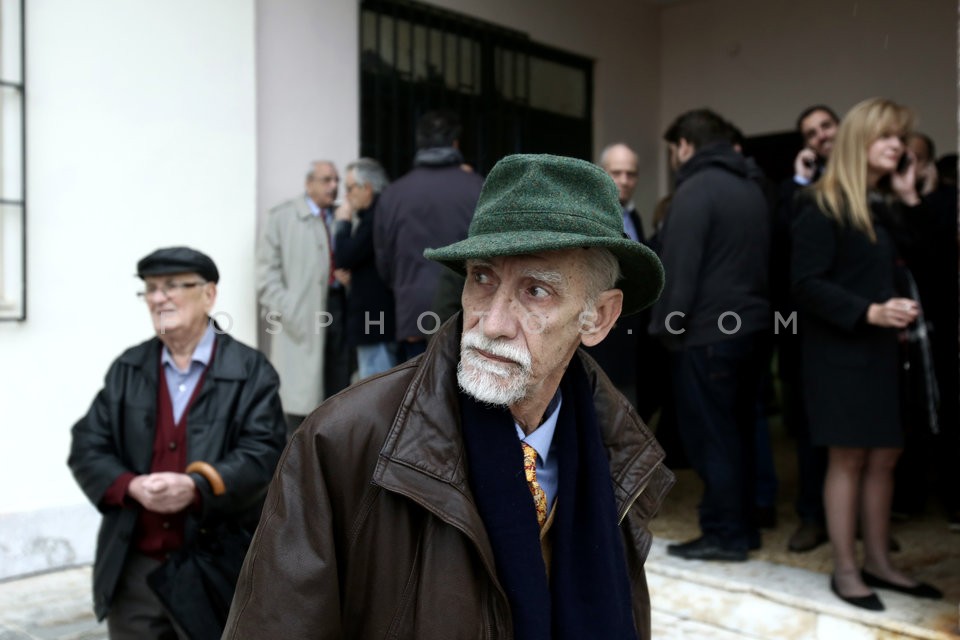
{"points": [[485, 607]]}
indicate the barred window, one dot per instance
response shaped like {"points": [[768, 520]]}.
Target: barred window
{"points": [[13, 227], [513, 95]]}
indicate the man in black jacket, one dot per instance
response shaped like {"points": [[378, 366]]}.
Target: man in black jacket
{"points": [[817, 128], [432, 205], [183, 437], [371, 328], [713, 316]]}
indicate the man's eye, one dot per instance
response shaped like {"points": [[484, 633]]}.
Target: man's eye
{"points": [[538, 292], [480, 278]]}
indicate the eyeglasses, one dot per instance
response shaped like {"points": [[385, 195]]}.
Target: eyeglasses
{"points": [[168, 289]]}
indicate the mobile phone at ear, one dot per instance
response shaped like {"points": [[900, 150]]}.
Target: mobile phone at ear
{"points": [[903, 164]]}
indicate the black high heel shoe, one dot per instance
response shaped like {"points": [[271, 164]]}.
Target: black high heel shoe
{"points": [[870, 602], [919, 590]]}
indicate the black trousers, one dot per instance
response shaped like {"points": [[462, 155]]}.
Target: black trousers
{"points": [[715, 389], [337, 357], [136, 612]]}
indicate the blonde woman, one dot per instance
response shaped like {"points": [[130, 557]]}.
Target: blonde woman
{"points": [[849, 231]]}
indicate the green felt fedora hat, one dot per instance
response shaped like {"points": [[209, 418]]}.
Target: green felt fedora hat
{"points": [[534, 203]]}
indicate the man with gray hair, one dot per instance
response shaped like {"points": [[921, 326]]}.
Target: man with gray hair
{"points": [[370, 322], [632, 359], [302, 302], [498, 485], [621, 163]]}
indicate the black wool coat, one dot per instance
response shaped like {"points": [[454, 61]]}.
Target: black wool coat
{"points": [[235, 424], [368, 297], [850, 369]]}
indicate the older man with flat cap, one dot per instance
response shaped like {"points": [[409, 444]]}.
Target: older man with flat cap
{"points": [[179, 444], [498, 485]]}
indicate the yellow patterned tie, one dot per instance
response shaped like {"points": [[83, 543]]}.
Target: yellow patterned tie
{"points": [[530, 469]]}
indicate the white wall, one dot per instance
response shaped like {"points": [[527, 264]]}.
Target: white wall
{"points": [[140, 134], [760, 62], [308, 91]]}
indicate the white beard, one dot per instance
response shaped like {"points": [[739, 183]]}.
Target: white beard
{"points": [[497, 383]]}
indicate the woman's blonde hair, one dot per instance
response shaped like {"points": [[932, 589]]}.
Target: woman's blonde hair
{"points": [[842, 191]]}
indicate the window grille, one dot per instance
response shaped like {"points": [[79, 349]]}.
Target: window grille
{"points": [[13, 222], [512, 95]]}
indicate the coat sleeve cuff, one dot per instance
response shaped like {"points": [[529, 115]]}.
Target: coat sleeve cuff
{"points": [[116, 493]]}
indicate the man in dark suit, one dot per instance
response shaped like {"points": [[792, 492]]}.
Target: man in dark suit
{"points": [[618, 354], [621, 163], [633, 360], [817, 127]]}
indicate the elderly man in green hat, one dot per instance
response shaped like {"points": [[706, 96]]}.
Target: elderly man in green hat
{"points": [[499, 485]]}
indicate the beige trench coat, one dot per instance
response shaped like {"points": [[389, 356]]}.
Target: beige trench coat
{"points": [[293, 271]]}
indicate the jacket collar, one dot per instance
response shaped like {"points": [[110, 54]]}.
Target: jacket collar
{"points": [[303, 209], [226, 365], [438, 157], [719, 155]]}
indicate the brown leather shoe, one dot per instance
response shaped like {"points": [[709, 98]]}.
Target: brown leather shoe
{"points": [[807, 537]]}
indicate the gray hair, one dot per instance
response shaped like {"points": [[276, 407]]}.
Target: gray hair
{"points": [[607, 149], [313, 167], [603, 271], [368, 171]]}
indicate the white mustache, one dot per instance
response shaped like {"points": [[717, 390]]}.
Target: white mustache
{"points": [[515, 354]]}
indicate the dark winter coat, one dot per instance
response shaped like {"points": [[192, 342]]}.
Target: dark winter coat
{"points": [[371, 530], [368, 296], [850, 369], [235, 424], [716, 242], [429, 207]]}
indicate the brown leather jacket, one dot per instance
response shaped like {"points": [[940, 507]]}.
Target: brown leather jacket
{"points": [[370, 530]]}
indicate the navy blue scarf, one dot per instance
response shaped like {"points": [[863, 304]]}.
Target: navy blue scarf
{"points": [[588, 594]]}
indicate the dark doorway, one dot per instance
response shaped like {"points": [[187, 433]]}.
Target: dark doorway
{"points": [[774, 153], [513, 95]]}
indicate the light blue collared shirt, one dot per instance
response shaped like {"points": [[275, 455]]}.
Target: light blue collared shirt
{"points": [[541, 440], [181, 384], [628, 227], [314, 208]]}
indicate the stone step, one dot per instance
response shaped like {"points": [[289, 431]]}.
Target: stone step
{"points": [[693, 600], [49, 606], [761, 600]]}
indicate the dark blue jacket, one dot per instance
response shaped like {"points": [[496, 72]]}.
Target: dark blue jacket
{"points": [[716, 244], [368, 295]]}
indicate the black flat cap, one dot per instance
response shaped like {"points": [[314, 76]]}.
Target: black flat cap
{"points": [[178, 260]]}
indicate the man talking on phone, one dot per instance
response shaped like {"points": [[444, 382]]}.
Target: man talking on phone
{"points": [[817, 126]]}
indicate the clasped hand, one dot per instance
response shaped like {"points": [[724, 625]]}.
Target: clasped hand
{"points": [[163, 492]]}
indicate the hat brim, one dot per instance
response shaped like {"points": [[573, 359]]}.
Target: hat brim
{"points": [[641, 272]]}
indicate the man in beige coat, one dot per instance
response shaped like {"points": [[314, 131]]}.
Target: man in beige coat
{"points": [[293, 283]]}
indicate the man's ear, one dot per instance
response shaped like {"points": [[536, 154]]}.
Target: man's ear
{"points": [[209, 295], [685, 150], [595, 327]]}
